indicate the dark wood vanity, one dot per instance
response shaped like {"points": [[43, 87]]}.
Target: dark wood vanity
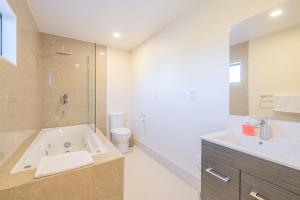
{"points": [[228, 174]]}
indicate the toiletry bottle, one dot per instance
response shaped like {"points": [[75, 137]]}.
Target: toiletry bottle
{"points": [[248, 127]]}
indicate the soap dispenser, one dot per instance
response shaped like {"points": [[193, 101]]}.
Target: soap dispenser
{"points": [[248, 127]]}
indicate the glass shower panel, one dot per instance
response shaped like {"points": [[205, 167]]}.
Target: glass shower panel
{"points": [[68, 82], [92, 89], [101, 85]]}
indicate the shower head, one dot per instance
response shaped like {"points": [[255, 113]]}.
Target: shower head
{"points": [[62, 51]]}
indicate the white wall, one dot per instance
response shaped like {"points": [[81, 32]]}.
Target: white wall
{"points": [[118, 82], [189, 56]]}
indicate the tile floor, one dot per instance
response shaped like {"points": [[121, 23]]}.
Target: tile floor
{"points": [[146, 179]]}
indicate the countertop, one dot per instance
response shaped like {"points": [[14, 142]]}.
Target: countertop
{"points": [[281, 151]]}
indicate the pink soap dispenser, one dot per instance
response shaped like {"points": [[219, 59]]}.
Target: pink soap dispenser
{"points": [[248, 127]]}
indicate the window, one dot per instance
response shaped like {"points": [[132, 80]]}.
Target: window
{"points": [[8, 33], [235, 73], [0, 33]]}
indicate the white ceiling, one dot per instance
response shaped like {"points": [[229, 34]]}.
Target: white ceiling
{"points": [[263, 24], [96, 20]]}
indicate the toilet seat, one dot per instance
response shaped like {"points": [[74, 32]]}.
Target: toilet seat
{"points": [[121, 131]]}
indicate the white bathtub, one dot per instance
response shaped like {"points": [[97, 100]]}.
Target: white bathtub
{"points": [[55, 141]]}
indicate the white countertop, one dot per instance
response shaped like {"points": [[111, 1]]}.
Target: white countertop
{"points": [[282, 151]]}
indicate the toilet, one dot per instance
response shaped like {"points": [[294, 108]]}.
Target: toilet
{"points": [[120, 135]]}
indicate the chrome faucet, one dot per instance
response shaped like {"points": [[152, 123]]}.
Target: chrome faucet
{"points": [[64, 99], [264, 126]]}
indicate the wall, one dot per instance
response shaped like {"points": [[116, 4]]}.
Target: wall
{"points": [[274, 68], [20, 91], [119, 82], [238, 96], [180, 80], [68, 75]]}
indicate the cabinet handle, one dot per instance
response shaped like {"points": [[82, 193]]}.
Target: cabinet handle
{"points": [[255, 195], [211, 171]]}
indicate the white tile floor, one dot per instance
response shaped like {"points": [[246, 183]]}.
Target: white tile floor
{"points": [[146, 179]]}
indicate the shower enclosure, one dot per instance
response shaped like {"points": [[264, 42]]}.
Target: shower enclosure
{"points": [[54, 85], [68, 82]]}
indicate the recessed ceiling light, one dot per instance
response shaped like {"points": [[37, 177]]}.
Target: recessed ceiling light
{"points": [[101, 53], [276, 13], [116, 35]]}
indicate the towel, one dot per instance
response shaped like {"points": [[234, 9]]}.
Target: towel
{"points": [[63, 162], [289, 103]]}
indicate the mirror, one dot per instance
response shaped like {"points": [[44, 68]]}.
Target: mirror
{"points": [[264, 67]]}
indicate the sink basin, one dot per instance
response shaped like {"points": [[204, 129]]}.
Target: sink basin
{"points": [[278, 150], [276, 147]]}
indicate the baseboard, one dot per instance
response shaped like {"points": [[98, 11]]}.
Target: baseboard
{"points": [[187, 177]]}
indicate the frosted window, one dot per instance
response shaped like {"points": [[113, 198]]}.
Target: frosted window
{"points": [[235, 73], [8, 33]]}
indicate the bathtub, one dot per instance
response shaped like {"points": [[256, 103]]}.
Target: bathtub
{"points": [[54, 141]]}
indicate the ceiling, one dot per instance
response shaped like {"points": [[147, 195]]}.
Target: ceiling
{"points": [[97, 20], [263, 24]]}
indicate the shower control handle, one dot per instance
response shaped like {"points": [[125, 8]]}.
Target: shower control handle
{"points": [[64, 99]]}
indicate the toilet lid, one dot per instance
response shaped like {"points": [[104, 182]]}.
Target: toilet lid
{"points": [[121, 131]]}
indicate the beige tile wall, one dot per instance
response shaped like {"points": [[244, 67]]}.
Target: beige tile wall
{"points": [[20, 85], [69, 75], [20, 91]]}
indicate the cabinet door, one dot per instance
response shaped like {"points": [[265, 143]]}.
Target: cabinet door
{"points": [[219, 182], [253, 188]]}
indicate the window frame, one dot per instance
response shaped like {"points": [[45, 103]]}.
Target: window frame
{"points": [[233, 64], [8, 34], [0, 33]]}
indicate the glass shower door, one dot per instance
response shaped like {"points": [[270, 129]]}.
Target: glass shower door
{"points": [[68, 82], [92, 89]]}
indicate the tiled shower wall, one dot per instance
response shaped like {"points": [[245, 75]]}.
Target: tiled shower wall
{"points": [[30, 91], [20, 85], [65, 74]]}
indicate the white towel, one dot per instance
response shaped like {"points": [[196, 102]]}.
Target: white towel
{"points": [[289, 103], [63, 162]]}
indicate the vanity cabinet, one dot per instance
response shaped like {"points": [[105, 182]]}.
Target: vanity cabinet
{"points": [[228, 174], [253, 188]]}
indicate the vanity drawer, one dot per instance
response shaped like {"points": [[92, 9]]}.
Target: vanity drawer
{"points": [[253, 188], [219, 181], [274, 173], [219, 154]]}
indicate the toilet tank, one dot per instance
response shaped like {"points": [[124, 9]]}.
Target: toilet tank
{"points": [[116, 120]]}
